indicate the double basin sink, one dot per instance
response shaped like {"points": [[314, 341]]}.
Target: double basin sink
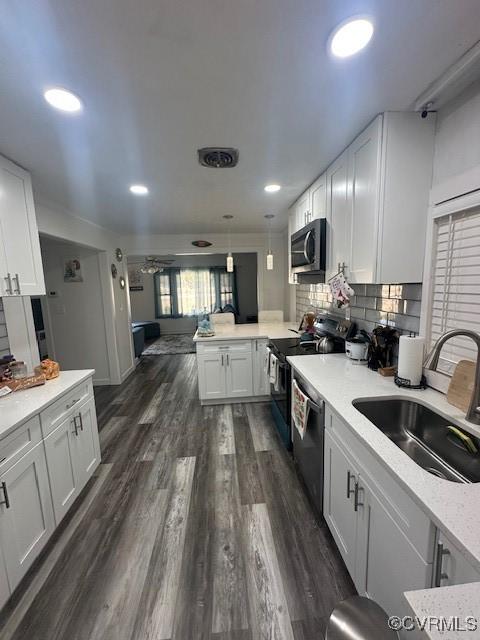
{"points": [[426, 437]]}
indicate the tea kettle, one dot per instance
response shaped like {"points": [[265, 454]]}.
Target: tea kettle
{"points": [[325, 344]]}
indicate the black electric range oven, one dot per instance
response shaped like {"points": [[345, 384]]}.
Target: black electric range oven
{"points": [[336, 328]]}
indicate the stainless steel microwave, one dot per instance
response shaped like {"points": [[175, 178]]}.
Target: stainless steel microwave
{"points": [[309, 247]]}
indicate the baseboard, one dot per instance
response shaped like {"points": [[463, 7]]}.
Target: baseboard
{"points": [[101, 382], [129, 371], [206, 403]]}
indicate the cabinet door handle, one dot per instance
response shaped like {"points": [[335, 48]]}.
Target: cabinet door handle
{"points": [[6, 500], [357, 503], [17, 288], [8, 288], [439, 574], [350, 477], [80, 421], [222, 360], [75, 426], [228, 360]]}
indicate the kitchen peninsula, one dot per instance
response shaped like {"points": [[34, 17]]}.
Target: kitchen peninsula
{"points": [[232, 364]]}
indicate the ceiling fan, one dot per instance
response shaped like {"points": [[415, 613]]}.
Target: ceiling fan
{"points": [[154, 265]]}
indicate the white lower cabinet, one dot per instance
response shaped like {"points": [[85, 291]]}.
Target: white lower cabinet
{"points": [[385, 540], [235, 369], [26, 513], [387, 564], [73, 453], [451, 566], [340, 477], [239, 372], [62, 471], [211, 376], [44, 465], [86, 443], [4, 587]]}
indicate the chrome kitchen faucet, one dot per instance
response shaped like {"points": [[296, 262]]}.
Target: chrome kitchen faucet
{"points": [[431, 363]]}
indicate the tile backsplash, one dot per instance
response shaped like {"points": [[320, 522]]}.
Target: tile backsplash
{"points": [[397, 305], [4, 346]]}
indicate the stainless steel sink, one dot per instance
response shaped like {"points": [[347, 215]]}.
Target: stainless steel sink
{"points": [[424, 436]]}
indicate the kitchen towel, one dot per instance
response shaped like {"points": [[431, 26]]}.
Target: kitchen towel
{"points": [[300, 409], [273, 373], [410, 359]]}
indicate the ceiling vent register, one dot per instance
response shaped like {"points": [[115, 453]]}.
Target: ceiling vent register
{"points": [[218, 157]]}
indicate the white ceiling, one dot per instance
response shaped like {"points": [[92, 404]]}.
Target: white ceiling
{"points": [[161, 78]]}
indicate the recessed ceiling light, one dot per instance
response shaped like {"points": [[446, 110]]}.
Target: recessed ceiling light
{"points": [[139, 189], [350, 37], [63, 99], [272, 188]]}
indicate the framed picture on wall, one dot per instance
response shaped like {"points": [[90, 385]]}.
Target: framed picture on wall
{"points": [[72, 271], [135, 279]]}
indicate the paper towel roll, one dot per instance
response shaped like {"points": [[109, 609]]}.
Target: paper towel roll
{"points": [[410, 358]]}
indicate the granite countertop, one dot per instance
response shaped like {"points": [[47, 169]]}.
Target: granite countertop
{"points": [[272, 330], [19, 406], [451, 506]]}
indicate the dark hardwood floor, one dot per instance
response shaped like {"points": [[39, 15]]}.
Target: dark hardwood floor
{"points": [[194, 527]]}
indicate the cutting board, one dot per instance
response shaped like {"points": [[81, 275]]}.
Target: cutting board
{"points": [[461, 385]]}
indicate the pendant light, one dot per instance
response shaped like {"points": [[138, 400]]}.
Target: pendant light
{"points": [[229, 256], [269, 217]]}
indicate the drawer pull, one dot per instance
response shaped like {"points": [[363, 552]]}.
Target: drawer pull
{"points": [[8, 288], [17, 287], [439, 574], [3, 459], [357, 502], [6, 501], [350, 477], [74, 402], [78, 425]]}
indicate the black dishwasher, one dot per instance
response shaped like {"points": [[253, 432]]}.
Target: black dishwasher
{"points": [[308, 451]]}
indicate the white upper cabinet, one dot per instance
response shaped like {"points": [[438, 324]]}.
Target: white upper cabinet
{"points": [[21, 271], [375, 199], [318, 198], [338, 215], [405, 181], [311, 205], [302, 211], [363, 194]]}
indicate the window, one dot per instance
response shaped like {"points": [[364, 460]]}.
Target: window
{"points": [[164, 298], [187, 292], [455, 290]]}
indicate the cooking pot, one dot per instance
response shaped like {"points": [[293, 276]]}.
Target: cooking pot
{"points": [[357, 350]]}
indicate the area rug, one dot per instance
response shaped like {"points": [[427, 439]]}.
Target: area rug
{"points": [[174, 343]]}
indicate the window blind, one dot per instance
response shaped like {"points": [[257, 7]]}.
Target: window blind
{"points": [[455, 302]]}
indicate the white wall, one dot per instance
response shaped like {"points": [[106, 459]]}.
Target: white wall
{"points": [[60, 224], [456, 168], [76, 322], [143, 302], [272, 285]]}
